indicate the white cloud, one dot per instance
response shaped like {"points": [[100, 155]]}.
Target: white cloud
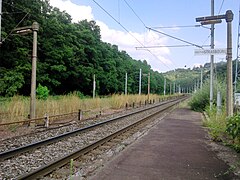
{"points": [[77, 12], [124, 40], [128, 42]]}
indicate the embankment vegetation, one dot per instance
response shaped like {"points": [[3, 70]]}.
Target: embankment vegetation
{"points": [[221, 128], [16, 108]]}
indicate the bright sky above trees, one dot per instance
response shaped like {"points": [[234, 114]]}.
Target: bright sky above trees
{"points": [[123, 22]]}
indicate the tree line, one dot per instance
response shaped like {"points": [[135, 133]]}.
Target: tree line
{"points": [[69, 54]]}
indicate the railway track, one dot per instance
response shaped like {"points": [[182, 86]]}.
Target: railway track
{"points": [[65, 145], [22, 144], [17, 142]]}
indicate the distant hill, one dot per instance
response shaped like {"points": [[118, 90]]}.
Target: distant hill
{"points": [[187, 77]]}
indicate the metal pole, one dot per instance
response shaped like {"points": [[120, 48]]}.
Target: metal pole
{"points": [[195, 86], [94, 86], [201, 79], [212, 57], [170, 88], [219, 102], [229, 18], [148, 86], [126, 84], [140, 81], [174, 87], [35, 27], [164, 90]]}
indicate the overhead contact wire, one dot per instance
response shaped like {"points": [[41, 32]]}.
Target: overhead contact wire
{"points": [[187, 42], [128, 31], [117, 22], [15, 27], [220, 9], [135, 13], [143, 46]]}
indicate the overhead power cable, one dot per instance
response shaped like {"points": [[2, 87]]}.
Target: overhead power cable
{"points": [[162, 32], [218, 14], [220, 9], [169, 27], [170, 46], [187, 26], [118, 22], [144, 27], [135, 13], [14, 28], [210, 28], [21, 11], [173, 37], [128, 31]]}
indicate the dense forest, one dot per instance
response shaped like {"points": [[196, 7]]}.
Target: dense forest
{"points": [[69, 54]]}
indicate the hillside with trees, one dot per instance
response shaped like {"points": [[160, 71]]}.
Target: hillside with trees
{"points": [[69, 54], [187, 77]]}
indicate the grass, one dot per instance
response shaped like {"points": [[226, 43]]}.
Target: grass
{"points": [[216, 123], [17, 108], [184, 104]]}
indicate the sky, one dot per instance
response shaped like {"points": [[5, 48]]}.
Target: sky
{"points": [[137, 27]]}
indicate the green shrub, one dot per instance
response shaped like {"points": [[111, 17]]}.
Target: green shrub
{"points": [[233, 126], [200, 99], [233, 129], [216, 123], [42, 92]]}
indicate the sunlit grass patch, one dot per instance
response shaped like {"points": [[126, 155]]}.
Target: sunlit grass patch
{"points": [[17, 108]]}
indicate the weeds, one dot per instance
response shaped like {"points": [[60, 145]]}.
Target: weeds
{"points": [[200, 99], [17, 108], [216, 123]]}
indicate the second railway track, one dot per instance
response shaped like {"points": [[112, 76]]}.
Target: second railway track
{"points": [[50, 152]]}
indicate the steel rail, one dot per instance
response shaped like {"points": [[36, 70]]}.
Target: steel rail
{"points": [[29, 147], [66, 159]]}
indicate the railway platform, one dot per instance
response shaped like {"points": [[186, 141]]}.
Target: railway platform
{"points": [[175, 149]]}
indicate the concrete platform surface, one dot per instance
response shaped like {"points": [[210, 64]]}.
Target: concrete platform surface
{"points": [[176, 149]]}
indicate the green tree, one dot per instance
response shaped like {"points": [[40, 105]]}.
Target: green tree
{"points": [[68, 55], [42, 92]]}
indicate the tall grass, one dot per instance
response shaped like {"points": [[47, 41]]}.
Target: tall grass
{"points": [[216, 123], [17, 108], [217, 120], [14, 109]]}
